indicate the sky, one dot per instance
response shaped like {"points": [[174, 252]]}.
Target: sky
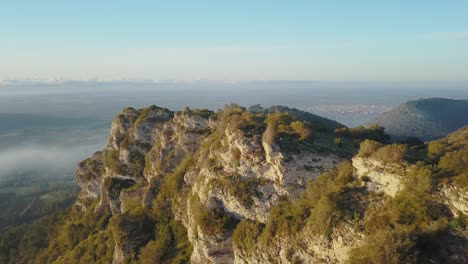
{"points": [[235, 40]]}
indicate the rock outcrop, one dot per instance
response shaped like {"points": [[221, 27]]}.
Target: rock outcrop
{"points": [[380, 177], [223, 170], [147, 144], [456, 199]]}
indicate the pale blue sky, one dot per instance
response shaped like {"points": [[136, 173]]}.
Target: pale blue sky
{"points": [[235, 40]]}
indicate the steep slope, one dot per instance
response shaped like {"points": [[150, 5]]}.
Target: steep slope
{"points": [[203, 172], [426, 119], [238, 186]]}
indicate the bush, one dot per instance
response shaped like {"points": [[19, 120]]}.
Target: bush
{"points": [[407, 209], [338, 142], [144, 114], [279, 118], [137, 161], [246, 234], [155, 249], [301, 129], [436, 149], [175, 179], [346, 203], [461, 181], [111, 160], [374, 133], [328, 200], [394, 153], [459, 223], [385, 246], [341, 132], [285, 218], [213, 222], [132, 224], [455, 161], [368, 147], [419, 179], [243, 189]]}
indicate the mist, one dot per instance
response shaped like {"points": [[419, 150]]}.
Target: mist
{"points": [[44, 161]]}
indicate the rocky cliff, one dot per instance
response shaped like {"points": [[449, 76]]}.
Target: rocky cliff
{"points": [[238, 186]]}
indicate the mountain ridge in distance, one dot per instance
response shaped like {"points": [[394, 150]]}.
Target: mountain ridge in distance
{"points": [[426, 119]]}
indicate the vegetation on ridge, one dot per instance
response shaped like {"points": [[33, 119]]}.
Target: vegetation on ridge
{"points": [[409, 227]]}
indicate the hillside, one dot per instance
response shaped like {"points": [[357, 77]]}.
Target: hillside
{"points": [[426, 119], [257, 186]]}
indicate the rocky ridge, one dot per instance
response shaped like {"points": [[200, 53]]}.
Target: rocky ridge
{"points": [[229, 172]]}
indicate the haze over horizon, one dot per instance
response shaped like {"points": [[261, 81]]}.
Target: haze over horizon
{"points": [[208, 131], [241, 40]]}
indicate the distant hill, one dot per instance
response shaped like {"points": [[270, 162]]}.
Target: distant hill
{"points": [[426, 119], [302, 115]]}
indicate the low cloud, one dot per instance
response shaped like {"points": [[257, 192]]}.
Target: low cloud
{"points": [[46, 161]]}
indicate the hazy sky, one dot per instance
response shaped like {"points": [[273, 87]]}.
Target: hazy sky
{"points": [[313, 40]]}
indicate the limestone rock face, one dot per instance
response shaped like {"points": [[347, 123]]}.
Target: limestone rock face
{"points": [[147, 144], [305, 249], [232, 171], [132, 135], [455, 198], [380, 177], [89, 175], [175, 139], [263, 169]]}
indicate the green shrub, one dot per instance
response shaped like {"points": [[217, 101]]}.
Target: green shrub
{"points": [[243, 189], [437, 148], [132, 224], [137, 161], [348, 203], [174, 180], [155, 249], [419, 179], [369, 147], [374, 133], [461, 181], [246, 234], [96, 248], [385, 246], [455, 161], [205, 113], [459, 223], [279, 118], [341, 132], [283, 123], [408, 210], [285, 218], [327, 201], [302, 129], [394, 153], [338, 142], [213, 222], [111, 160], [144, 114]]}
